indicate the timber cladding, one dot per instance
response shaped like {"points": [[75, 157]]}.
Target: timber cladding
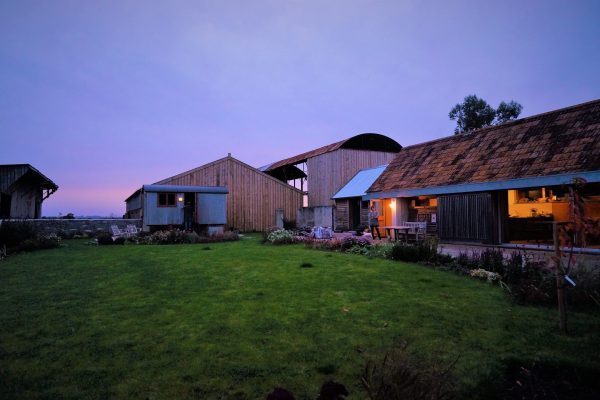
{"points": [[342, 215], [329, 172], [254, 197], [472, 217]]}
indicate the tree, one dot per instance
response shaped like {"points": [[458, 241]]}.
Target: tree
{"points": [[507, 111], [474, 113]]}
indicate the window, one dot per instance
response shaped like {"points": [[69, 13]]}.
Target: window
{"points": [[166, 200], [541, 195]]}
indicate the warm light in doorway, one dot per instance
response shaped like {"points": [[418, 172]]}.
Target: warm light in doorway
{"points": [[393, 204]]}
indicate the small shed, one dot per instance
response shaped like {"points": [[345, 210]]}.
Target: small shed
{"points": [[351, 212], [189, 207], [22, 191]]}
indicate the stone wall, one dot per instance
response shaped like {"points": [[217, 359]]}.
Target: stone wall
{"points": [[315, 216], [77, 226]]}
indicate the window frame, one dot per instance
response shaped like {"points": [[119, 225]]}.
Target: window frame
{"points": [[167, 197]]}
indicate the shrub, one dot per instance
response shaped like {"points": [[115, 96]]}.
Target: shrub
{"points": [[104, 239], [405, 252], [587, 291], [13, 233], [513, 268], [191, 238], [397, 377], [425, 251], [280, 236], [353, 241], [177, 236], [19, 236], [289, 224], [492, 260]]}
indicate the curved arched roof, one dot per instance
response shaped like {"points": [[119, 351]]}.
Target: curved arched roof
{"points": [[363, 141]]}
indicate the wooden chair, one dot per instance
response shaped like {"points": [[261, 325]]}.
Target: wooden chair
{"points": [[418, 230]]}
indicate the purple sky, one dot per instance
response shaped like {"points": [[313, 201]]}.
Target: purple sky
{"points": [[103, 96]]}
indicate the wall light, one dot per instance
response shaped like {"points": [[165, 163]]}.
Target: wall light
{"points": [[180, 199], [393, 204]]}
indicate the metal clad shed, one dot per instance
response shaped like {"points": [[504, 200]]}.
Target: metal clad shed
{"points": [[209, 203]]}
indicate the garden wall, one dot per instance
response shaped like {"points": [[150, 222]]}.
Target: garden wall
{"points": [[315, 216], [77, 226]]}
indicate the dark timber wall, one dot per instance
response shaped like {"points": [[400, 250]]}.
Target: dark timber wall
{"points": [[344, 218], [473, 217]]}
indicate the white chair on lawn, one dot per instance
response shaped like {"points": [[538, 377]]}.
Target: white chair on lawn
{"points": [[117, 233], [132, 230]]}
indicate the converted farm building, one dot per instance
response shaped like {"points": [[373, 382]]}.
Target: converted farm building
{"points": [[255, 202], [322, 172], [501, 184]]}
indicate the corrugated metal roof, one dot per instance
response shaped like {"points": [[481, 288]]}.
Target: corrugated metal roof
{"points": [[363, 141], [358, 185], [185, 189]]}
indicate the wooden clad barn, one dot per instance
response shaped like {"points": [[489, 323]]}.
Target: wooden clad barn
{"points": [[256, 201], [499, 184], [351, 211], [22, 191], [326, 169]]}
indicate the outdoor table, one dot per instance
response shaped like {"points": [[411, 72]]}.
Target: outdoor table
{"points": [[397, 229]]}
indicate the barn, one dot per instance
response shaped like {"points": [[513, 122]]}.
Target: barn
{"points": [[255, 201], [501, 184], [321, 173], [22, 191]]}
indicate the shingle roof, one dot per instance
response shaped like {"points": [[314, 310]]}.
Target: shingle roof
{"points": [[556, 142]]}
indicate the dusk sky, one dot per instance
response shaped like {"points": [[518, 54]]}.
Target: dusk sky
{"points": [[103, 97]]}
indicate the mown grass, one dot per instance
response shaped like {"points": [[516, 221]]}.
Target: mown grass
{"points": [[233, 320]]}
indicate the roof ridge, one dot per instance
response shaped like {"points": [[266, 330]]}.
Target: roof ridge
{"points": [[535, 116], [504, 125]]}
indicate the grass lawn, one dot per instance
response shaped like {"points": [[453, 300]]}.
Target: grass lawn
{"points": [[233, 320]]}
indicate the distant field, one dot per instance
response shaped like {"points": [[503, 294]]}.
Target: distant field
{"points": [[233, 320]]}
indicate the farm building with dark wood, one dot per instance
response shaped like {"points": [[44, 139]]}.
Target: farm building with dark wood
{"points": [[256, 201], [322, 172], [22, 191], [500, 184]]}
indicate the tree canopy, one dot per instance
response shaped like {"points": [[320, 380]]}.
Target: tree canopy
{"points": [[474, 113]]}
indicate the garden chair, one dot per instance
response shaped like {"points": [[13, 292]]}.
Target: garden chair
{"points": [[132, 230], [418, 230], [117, 233]]}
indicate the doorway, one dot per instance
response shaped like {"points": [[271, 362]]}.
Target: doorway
{"points": [[5, 201], [189, 211], [354, 213]]}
